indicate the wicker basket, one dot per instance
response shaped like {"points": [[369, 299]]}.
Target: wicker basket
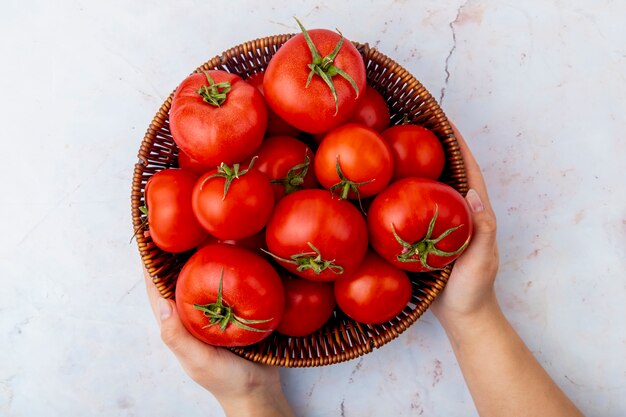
{"points": [[342, 338]]}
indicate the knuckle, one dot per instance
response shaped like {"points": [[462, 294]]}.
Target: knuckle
{"points": [[487, 224], [169, 337]]}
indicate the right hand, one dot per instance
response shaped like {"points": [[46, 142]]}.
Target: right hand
{"points": [[470, 286]]}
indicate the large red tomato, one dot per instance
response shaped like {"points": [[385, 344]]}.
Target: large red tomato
{"points": [[276, 126], [228, 296], [297, 92], [419, 224], [375, 293], [217, 117], [231, 203], [287, 163], [416, 152], [316, 236], [308, 305], [353, 161], [173, 226], [372, 111], [189, 164]]}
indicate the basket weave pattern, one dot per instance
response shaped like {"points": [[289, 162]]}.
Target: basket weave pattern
{"points": [[341, 338]]}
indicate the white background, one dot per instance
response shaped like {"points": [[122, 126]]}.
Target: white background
{"points": [[537, 87]]}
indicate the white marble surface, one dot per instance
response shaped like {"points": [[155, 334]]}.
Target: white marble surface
{"points": [[538, 87]]}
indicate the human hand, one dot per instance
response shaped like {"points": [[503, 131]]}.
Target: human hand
{"points": [[470, 286], [243, 388], [501, 373]]}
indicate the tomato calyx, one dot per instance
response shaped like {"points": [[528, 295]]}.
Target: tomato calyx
{"points": [[214, 93], [419, 251], [346, 185], [229, 174], [221, 313], [295, 176], [310, 260], [324, 67]]}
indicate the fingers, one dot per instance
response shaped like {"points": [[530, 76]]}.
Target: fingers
{"points": [[196, 357], [174, 334], [231, 379], [483, 220], [185, 346]]}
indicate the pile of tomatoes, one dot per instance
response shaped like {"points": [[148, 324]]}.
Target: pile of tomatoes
{"points": [[298, 197]]}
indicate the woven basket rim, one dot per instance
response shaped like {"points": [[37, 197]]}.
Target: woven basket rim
{"points": [[348, 333]]}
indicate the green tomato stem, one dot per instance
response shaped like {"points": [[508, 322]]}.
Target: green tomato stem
{"points": [[419, 251], [310, 260], [229, 174], [325, 68], [223, 315], [346, 185], [295, 176], [214, 94]]}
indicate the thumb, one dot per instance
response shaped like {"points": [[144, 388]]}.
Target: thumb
{"points": [[183, 344], [483, 219]]}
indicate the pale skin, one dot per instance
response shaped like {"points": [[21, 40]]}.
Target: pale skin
{"points": [[510, 383], [243, 388], [501, 373]]}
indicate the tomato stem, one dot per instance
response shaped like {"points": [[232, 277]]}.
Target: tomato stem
{"points": [[346, 185], [295, 176], [309, 260], [325, 68], [214, 94], [223, 315], [229, 174], [419, 251], [144, 223]]}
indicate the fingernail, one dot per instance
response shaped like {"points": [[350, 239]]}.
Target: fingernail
{"points": [[473, 199], [165, 309]]}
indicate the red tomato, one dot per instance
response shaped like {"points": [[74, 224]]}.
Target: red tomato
{"points": [[375, 293], [231, 203], [217, 117], [316, 236], [276, 126], [372, 111], [308, 305], [253, 243], [228, 296], [416, 152], [173, 226], [287, 163], [354, 161], [296, 91], [419, 224], [187, 163]]}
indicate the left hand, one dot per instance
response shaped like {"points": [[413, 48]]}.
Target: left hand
{"points": [[243, 388]]}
